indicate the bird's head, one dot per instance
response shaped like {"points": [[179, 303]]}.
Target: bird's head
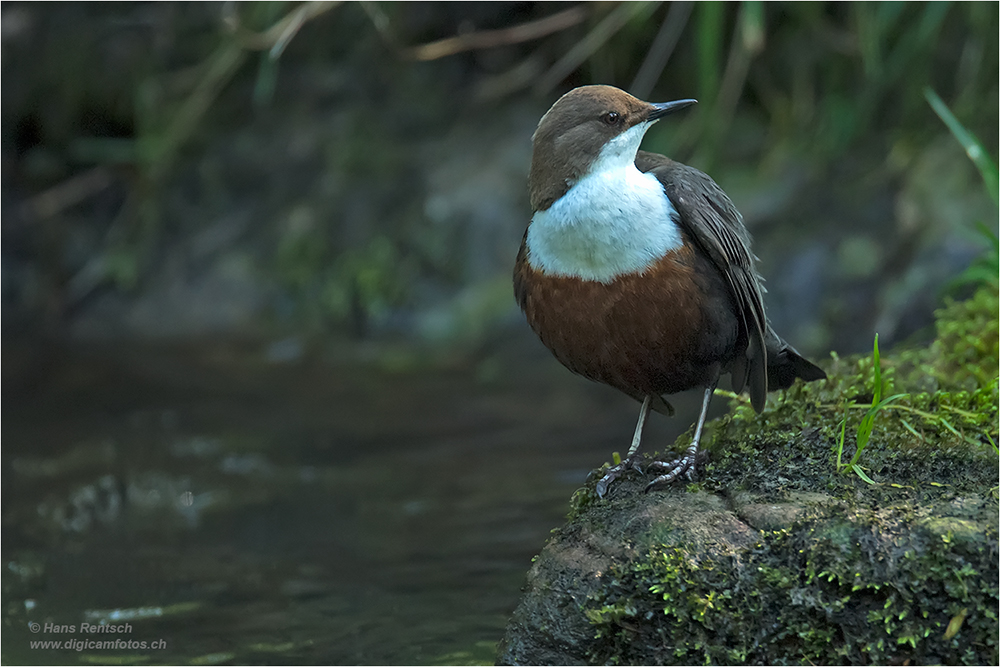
{"points": [[588, 127]]}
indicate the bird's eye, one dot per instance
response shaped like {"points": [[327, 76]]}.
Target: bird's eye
{"points": [[611, 117]]}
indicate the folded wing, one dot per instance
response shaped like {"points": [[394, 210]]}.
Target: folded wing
{"points": [[712, 221]]}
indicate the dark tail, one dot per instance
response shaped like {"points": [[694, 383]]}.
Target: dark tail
{"points": [[784, 364]]}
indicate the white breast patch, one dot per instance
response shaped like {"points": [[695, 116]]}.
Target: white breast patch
{"points": [[610, 223]]}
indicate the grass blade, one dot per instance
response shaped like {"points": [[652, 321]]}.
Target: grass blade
{"points": [[840, 444], [861, 473], [877, 367], [987, 168], [868, 423]]}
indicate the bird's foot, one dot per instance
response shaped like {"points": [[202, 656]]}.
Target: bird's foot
{"points": [[672, 471], [614, 472]]}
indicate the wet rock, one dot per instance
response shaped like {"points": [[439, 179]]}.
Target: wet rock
{"points": [[805, 540], [689, 577]]}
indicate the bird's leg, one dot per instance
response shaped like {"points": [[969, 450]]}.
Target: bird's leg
{"points": [[685, 464], [629, 461]]}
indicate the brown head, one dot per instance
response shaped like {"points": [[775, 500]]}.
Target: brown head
{"points": [[573, 133]]}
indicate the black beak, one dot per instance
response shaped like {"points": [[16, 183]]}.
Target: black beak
{"points": [[661, 110]]}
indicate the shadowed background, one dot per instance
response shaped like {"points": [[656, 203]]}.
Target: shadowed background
{"points": [[266, 389]]}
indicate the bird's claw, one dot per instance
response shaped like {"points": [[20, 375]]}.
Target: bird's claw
{"points": [[614, 472], [671, 471]]}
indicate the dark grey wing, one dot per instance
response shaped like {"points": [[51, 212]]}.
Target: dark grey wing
{"points": [[712, 221]]}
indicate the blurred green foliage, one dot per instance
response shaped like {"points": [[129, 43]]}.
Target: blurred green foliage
{"points": [[986, 268], [817, 80], [822, 77], [349, 286]]}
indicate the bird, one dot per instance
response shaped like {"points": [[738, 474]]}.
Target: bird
{"points": [[636, 271]]}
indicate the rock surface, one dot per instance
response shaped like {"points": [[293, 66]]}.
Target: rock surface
{"points": [[783, 553], [689, 577]]}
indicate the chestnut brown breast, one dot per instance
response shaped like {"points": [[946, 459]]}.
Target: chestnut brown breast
{"points": [[669, 328]]}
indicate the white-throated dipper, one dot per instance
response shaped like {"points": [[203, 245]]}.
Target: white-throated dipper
{"points": [[636, 270]]}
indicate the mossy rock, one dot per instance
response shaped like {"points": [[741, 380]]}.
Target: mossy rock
{"points": [[779, 556]]}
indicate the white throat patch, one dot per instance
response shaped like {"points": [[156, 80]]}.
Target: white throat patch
{"points": [[614, 221]]}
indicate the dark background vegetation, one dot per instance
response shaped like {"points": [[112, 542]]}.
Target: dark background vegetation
{"points": [[168, 173], [265, 386]]}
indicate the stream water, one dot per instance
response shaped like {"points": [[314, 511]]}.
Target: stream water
{"points": [[223, 509]]}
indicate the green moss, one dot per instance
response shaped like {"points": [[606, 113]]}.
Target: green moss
{"points": [[903, 570], [939, 432], [862, 588], [967, 350]]}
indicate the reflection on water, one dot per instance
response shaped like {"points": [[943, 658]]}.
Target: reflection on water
{"points": [[307, 513]]}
